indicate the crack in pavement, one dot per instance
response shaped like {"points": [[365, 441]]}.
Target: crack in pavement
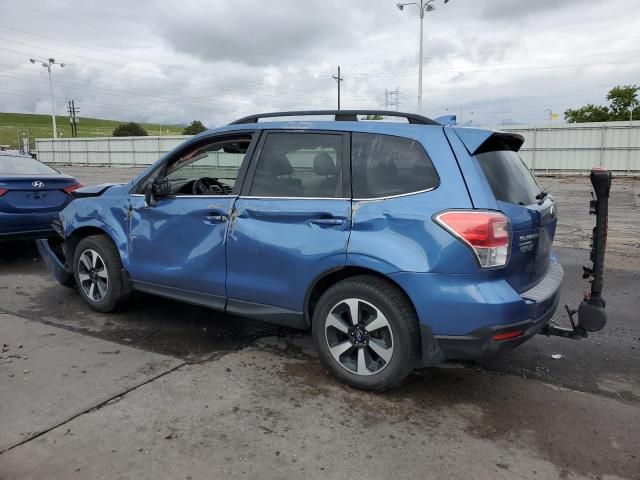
{"points": [[93, 408]]}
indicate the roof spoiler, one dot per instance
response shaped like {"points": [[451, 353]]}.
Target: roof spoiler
{"points": [[447, 120], [482, 141]]}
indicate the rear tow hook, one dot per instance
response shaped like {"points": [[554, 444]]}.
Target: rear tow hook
{"points": [[592, 316]]}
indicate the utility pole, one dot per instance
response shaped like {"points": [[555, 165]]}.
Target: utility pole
{"points": [[631, 107], [73, 118], [338, 79], [48, 64]]}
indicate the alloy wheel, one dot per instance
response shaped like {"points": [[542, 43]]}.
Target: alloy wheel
{"points": [[359, 336], [93, 276]]}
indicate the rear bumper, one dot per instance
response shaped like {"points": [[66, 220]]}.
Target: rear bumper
{"points": [[24, 226], [461, 315], [27, 234], [481, 343]]}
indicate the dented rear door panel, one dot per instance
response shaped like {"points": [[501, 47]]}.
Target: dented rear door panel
{"points": [[398, 234]]}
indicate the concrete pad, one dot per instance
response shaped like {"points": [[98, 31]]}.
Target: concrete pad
{"points": [[274, 413], [48, 375]]}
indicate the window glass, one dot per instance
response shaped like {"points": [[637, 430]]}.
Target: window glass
{"points": [[510, 179], [19, 165], [193, 171], [299, 165], [384, 165]]}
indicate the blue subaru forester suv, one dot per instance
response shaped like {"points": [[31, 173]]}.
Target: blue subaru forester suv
{"points": [[400, 244]]}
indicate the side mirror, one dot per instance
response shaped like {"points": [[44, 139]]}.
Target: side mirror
{"points": [[159, 188]]}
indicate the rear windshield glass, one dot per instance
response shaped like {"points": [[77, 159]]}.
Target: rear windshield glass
{"points": [[510, 179], [15, 165]]}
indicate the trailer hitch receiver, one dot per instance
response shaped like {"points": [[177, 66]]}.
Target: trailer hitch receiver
{"points": [[592, 316]]}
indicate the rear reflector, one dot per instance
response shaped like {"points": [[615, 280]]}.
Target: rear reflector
{"points": [[3, 191], [507, 335], [72, 188], [487, 233]]}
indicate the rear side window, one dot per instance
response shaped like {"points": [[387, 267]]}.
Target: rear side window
{"points": [[384, 165], [508, 176], [299, 165]]}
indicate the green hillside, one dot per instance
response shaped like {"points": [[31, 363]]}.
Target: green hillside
{"points": [[14, 125]]}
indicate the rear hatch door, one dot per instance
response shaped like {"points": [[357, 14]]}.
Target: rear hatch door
{"points": [[531, 211]]}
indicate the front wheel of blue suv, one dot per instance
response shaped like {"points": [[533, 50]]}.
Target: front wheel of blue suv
{"points": [[97, 271], [366, 331]]}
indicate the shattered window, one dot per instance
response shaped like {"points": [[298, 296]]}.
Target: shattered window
{"points": [[384, 165]]}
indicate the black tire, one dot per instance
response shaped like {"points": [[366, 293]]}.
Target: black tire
{"points": [[403, 330], [105, 299]]}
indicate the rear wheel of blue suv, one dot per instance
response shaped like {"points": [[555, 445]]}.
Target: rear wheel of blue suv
{"points": [[400, 245], [366, 331]]}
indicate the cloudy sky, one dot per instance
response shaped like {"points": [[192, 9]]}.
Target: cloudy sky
{"points": [[492, 61]]}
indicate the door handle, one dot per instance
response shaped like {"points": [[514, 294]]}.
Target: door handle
{"points": [[328, 221], [216, 218]]}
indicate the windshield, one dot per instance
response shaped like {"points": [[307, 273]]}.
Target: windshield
{"points": [[20, 165], [510, 179]]}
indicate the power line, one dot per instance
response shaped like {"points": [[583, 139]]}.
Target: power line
{"points": [[170, 82], [457, 70], [504, 50], [118, 93], [190, 78]]}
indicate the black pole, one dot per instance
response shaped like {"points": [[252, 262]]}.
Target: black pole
{"points": [[338, 79]]}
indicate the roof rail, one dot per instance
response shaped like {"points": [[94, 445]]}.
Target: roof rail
{"points": [[339, 115]]}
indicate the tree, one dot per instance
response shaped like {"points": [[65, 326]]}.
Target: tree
{"points": [[195, 128], [373, 117], [588, 113], [130, 129], [621, 99]]}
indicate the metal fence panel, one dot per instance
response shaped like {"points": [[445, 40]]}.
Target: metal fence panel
{"points": [[575, 148], [564, 148], [106, 151]]}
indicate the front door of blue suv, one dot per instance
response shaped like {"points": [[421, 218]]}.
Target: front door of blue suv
{"points": [[177, 244]]}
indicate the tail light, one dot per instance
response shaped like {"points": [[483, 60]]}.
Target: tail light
{"points": [[486, 233], [72, 188], [3, 191]]}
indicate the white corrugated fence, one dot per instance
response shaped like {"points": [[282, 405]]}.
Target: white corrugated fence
{"points": [[563, 148]]}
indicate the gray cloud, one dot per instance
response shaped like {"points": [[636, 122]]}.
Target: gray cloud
{"points": [[217, 60]]}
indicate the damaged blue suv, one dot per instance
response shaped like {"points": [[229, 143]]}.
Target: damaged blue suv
{"points": [[399, 243]]}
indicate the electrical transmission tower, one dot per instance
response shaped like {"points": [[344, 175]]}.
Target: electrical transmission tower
{"points": [[392, 99]]}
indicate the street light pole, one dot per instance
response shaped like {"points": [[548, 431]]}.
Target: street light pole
{"points": [[424, 6], [420, 62], [48, 64]]}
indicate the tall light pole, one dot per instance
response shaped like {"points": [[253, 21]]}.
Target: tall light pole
{"points": [[424, 6], [48, 64]]}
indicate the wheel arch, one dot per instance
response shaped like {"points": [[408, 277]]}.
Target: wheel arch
{"points": [[74, 237], [430, 353], [328, 278]]}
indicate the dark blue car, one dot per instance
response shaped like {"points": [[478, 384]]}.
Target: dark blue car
{"points": [[31, 196], [400, 244]]}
